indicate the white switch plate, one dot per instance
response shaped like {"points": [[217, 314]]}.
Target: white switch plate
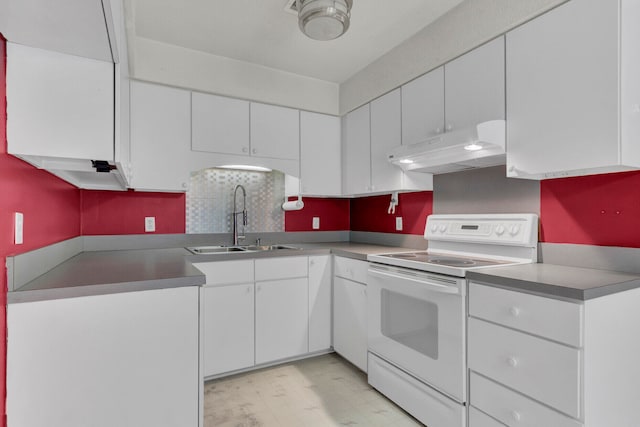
{"points": [[19, 225], [316, 223], [398, 223], [149, 224]]}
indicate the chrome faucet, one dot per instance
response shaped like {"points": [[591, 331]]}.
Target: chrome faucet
{"points": [[235, 214]]}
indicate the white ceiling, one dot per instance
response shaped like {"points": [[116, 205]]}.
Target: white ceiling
{"points": [[261, 32]]}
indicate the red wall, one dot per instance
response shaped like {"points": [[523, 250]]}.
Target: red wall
{"points": [[123, 212], [594, 210], [370, 213], [333, 214]]}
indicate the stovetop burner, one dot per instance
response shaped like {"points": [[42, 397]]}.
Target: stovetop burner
{"points": [[446, 260]]}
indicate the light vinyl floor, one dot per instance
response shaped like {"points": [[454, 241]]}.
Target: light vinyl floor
{"points": [[323, 391]]}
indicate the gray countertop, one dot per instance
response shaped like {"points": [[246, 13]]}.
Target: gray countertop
{"points": [[557, 281], [106, 272]]}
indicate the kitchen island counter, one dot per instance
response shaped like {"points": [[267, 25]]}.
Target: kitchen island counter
{"points": [[557, 281]]}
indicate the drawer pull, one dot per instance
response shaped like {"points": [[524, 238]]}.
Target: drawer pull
{"points": [[515, 415], [515, 311], [512, 361]]}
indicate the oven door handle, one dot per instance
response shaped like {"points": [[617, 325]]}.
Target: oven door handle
{"points": [[427, 284]]}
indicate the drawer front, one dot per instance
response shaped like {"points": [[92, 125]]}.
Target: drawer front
{"points": [[480, 419], [227, 272], [549, 318], [351, 269], [421, 401], [281, 268], [544, 370], [511, 408]]}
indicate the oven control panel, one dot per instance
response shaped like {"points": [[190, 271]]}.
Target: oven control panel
{"points": [[506, 229]]}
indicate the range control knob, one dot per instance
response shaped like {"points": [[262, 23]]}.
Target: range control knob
{"points": [[500, 230], [434, 228], [514, 229], [442, 228]]}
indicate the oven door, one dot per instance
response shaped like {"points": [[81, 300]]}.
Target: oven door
{"points": [[416, 322]]}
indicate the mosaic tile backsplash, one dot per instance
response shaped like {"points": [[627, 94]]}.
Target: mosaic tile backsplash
{"points": [[210, 201]]}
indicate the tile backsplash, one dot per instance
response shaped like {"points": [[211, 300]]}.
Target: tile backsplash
{"points": [[210, 200]]}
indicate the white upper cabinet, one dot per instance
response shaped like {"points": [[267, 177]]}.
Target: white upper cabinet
{"points": [[475, 87], [275, 132], [423, 107], [74, 27], [160, 137], [573, 96], [219, 124], [356, 165], [320, 154], [464, 92], [369, 133], [385, 135], [59, 105]]}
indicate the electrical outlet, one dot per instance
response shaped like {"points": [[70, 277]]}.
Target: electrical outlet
{"points": [[149, 224], [398, 223], [316, 223], [18, 221]]}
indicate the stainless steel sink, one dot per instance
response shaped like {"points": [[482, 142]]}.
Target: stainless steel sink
{"points": [[205, 250], [209, 250]]}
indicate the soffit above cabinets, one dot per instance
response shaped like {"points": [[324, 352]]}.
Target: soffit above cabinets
{"points": [[75, 27], [262, 33]]}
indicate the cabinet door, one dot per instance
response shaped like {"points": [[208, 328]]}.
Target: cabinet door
{"points": [[385, 135], [59, 105], [219, 124], [275, 132], [128, 359], [356, 166], [282, 319], [320, 154], [227, 328], [350, 321], [160, 137], [474, 86], [319, 302], [423, 107], [562, 90]]}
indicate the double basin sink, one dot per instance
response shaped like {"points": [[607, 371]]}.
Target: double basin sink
{"points": [[209, 250]]}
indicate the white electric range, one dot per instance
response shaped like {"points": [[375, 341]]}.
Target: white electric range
{"points": [[416, 308]]}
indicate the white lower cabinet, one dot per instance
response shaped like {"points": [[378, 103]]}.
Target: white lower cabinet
{"points": [[350, 314], [264, 310], [319, 303], [281, 319], [228, 326], [127, 359], [524, 372]]}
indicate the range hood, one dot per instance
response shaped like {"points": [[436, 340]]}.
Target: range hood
{"points": [[86, 174], [477, 147]]}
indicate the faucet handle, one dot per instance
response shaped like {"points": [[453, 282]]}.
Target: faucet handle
{"points": [[245, 221], [258, 241]]}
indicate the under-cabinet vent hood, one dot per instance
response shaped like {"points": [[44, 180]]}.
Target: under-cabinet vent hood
{"points": [[86, 174], [477, 147]]}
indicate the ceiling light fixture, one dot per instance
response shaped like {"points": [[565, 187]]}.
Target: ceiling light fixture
{"points": [[324, 19]]}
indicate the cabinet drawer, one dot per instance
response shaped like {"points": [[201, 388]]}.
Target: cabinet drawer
{"points": [[510, 407], [351, 269], [546, 371], [480, 419], [281, 268], [227, 272], [554, 319]]}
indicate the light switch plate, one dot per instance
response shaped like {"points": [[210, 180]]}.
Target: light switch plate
{"points": [[398, 223], [18, 221], [316, 223], [149, 224]]}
